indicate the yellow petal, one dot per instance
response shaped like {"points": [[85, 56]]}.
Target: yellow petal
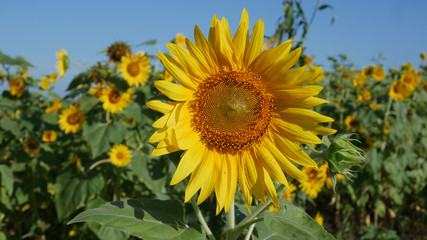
{"points": [[232, 181], [241, 38], [282, 66], [211, 177], [297, 115], [255, 46], [270, 163], [160, 106], [270, 57], [285, 80], [204, 46], [174, 91], [294, 132], [189, 64], [176, 70], [189, 161], [221, 187]]}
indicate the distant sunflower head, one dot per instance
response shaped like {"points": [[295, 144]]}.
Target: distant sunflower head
{"points": [[31, 146], [44, 82], [63, 62], [180, 39], [411, 78], [135, 69], [120, 155], [399, 90], [379, 73], [17, 87], [352, 123], [53, 77], [238, 112], [49, 136], [113, 101], [314, 184], [117, 50], [71, 119]]}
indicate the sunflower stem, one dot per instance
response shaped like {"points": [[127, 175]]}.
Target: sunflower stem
{"points": [[230, 222], [390, 101], [249, 234], [201, 219]]}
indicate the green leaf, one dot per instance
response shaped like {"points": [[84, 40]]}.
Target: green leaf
{"points": [[149, 42], [107, 233], [144, 218], [73, 190], [12, 126], [291, 222], [7, 178], [51, 118], [99, 136], [324, 6], [87, 102]]}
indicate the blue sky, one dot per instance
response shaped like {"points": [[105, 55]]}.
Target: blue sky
{"points": [[363, 29]]}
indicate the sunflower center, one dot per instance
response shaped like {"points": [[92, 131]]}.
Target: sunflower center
{"points": [[73, 118], [114, 96], [120, 156], [133, 69], [231, 110]]}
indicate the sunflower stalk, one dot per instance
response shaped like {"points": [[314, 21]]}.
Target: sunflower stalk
{"points": [[202, 219], [253, 218], [230, 220]]}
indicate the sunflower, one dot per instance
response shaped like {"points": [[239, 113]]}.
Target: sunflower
{"points": [[49, 136], [63, 62], [120, 155], [364, 96], [31, 146], [113, 101], [56, 106], [325, 175], [423, 56], [117, 50], [351, 122], [346, 75], [71, 120], [379, 73], [400, 90], [359, 80], [239, 114], [135, 69], [314, 184], [411, 78], [53, 77], [44, 82], [180, 39], [307, 61], [289, 192], [319, 218], [387, 128], [17, 87]]}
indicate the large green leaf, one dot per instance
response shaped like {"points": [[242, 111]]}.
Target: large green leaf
{"points": [[12, 126], [291, 222], [99, 136], [74, 190], [7, 178], [87, 102], [144, 218]]}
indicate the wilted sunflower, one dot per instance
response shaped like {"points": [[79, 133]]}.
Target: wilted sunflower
{"points": [[120, 155], [239, 113], [71, 120], [63, 62], [56, 106], [113, 101], [117, 50], [17, 87], [49, 136], [135, 69], [31, 146]]}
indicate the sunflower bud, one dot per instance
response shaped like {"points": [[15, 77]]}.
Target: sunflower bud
{"points": [[342, 155], [117, 50]]}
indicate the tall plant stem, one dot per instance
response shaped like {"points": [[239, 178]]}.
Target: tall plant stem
{"points": [[201, 219]]}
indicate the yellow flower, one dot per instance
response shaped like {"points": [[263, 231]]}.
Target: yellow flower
{"points": [[76, 160], [49, 136], [370, 142], [346, 75], [387, 128], [319, 218], [53, 77], [44, 82], [135, 69], [113, 102], [359, 79], [56, 106], [31, 146], [289, 192], [379, 73], [17, 87], [307, 61], [314, 184], [71, 119], [120, 155], [407, 67], [168, 76], [411, 78], [325, 175], [239, 114], [180, 39], [400, 90], [365, 95], [423, 56], [351, 122], [63, 62], [368, 71]]}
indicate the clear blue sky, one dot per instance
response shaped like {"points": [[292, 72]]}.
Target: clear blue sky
{"points": [[363, 28]]}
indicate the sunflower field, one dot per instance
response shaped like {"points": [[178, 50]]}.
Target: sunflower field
{"points": [[224, 136]]}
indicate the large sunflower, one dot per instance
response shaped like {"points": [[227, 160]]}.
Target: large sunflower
{"points": [[71, 120], [135, 69], [239, 113], [113, 101]]}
